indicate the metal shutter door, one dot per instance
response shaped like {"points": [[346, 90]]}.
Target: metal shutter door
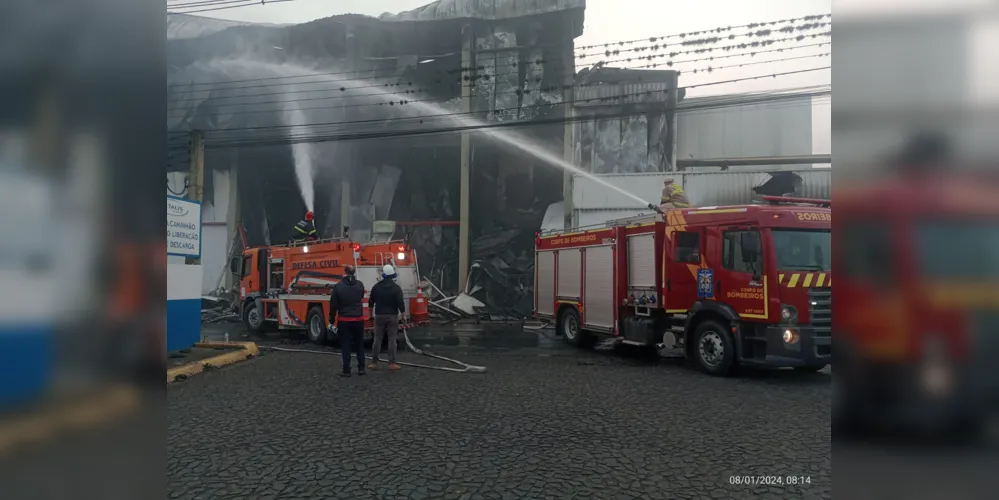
{"points": [[544, 284], [599, 301], [641, 261], [569, 269]]}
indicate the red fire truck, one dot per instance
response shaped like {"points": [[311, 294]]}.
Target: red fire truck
{"points": [[919, 306], [288, 286], [728, 286]]}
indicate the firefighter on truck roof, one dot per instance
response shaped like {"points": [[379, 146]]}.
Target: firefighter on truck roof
{"points": [[305, 229], [673, 196]]}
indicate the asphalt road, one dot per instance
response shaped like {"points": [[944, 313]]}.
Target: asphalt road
{"points": [[546, 421]]}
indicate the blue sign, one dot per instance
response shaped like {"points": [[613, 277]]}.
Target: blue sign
{"points": [[705, 284]]}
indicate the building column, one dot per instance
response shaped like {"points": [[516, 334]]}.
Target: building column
{"points": [[466, 156], [672, 97], [352, 66], [232, 216], [196, 181], [568, 96]]}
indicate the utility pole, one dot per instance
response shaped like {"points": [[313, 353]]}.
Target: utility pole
{"points": [[672, 96], [233, 215], [350, 44], [568, 139], [196, 180], [466, 153]]}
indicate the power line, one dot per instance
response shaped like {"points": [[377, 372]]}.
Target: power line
{"points": [[602, 99], [653, 39], [740, 98], [468, 69], [407, 85], [407, 133], [409, 82], [690, 108], [214, 6], [544, 64], [710, 40], [519, 92]]}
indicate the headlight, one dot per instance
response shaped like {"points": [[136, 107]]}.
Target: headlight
{"points": [[400, 256], [936, 375], [788, 314], [790, 337]]}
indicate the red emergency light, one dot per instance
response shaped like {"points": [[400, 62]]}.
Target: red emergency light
{"points": [[402, 248], [356, 247]]}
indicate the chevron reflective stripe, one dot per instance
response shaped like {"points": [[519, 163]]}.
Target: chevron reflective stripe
{"points": [[805, 280]]}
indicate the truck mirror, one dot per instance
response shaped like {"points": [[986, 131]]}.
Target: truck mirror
{"points": [[234, 265], [750, 243]]}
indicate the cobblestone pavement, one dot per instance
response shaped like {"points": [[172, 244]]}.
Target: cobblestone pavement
{"points": [[544, 422]]}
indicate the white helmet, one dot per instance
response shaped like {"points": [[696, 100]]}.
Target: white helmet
{"points": [[388, 270]]}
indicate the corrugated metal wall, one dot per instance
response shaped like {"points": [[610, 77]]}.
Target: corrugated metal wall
{"points": [[782, 128]]}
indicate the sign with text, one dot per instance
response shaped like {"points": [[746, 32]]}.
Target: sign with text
{"points": [[813, 216], [183, 227], [587, 238]]}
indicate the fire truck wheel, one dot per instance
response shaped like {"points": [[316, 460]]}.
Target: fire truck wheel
{"points": [[713, 348], [252, 317], [571, 327], [316, 325]]}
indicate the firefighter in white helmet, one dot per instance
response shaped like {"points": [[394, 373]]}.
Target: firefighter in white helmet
{"points": [[387, 306]]}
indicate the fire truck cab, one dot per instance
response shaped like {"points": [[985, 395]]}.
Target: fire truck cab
{"points": [[288, 286], [727, 286], [920, 302]]}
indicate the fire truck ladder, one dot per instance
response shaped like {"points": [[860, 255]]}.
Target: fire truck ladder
{"points": [[789, 200]]}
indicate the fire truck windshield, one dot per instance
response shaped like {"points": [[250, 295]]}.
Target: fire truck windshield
{"points": [[803, 250], [962, 250]]}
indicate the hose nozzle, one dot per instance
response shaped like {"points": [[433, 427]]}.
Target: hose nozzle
{"points": [[655, 208]]}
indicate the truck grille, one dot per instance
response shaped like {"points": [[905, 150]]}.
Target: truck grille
{"points": [[820, 311]]}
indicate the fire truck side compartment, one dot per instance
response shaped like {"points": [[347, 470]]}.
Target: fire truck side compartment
{"points": [[544, 283], [642, 262], [570, 270], [598, 290]]}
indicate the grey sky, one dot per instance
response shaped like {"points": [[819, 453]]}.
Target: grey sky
{"points": [[612, 20]]}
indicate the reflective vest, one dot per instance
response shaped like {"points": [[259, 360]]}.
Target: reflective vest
{"points": [[673, 193], [305, 230]]}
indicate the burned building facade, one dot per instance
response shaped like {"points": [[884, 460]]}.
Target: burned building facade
{"points": [[397, 118]]}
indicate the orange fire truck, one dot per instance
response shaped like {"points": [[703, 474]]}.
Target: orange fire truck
{"points": [[288, 286], [728, 286]]}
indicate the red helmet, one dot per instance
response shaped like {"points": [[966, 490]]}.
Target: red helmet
{"points": [[309, 216]]}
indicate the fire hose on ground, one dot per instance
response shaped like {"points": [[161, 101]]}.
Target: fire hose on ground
{"points": [[465, 368]]}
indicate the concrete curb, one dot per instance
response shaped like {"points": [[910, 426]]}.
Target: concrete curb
{"points": [[67, 416], [247, 350]]}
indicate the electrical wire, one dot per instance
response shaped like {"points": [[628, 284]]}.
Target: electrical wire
{"points": [[711, 40], [696, 108], [398, 98], [408, 91], [653, 39], [409, 83], [542, 61], [463, 128], [243, 3], [339, 84], [738, 98]]}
